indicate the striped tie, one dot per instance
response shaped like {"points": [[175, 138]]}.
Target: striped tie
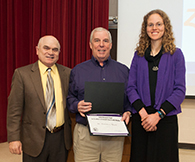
{"points": [[50, 102]]}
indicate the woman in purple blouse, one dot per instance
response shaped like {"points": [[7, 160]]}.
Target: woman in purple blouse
{"points": [[156, 88]]}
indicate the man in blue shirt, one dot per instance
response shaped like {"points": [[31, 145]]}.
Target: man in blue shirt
{"points": [[101, 68]]}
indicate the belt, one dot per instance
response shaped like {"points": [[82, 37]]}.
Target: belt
{"points": [[56, 129]]}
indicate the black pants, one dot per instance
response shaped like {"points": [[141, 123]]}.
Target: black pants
{"points": [[158, 146], [53, 151]]}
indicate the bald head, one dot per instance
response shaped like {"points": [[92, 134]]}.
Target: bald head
{"points": [[48, 50], [48, 38]]}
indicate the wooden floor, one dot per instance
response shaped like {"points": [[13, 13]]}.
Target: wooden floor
{"points": [[185, 155]]}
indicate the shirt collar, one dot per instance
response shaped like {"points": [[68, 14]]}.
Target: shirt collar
{"points": [[44, 68], [95, 61]]}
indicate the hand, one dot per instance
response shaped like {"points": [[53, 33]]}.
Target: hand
{"points": [[84, 107], [15, 147], [152, 129], [126, 117], [150, 122], [143, 114]]}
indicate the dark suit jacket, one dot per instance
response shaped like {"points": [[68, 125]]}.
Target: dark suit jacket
{"points": [[26, 114]]}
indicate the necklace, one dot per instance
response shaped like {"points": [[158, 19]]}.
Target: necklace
{"points": [[155, 67]]}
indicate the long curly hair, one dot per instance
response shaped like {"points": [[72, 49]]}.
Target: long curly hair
{"points": [[167, 39]]}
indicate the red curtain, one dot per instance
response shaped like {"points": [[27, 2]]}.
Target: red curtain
{"points": [[23, 22]]}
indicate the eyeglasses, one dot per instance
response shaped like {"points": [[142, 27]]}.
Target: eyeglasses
{"points": [[157, 25]]}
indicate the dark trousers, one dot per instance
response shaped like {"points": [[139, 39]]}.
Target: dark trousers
{"points": [[158, 146], [53, 151]]}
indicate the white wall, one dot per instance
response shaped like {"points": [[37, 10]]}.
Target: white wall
{"points": [[130, 17], [186, 122]]}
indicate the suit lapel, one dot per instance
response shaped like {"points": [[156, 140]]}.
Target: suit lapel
{"points": [[63, 79], [36, 79]]}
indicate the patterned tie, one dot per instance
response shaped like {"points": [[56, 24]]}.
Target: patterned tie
{"points": [[50, 102]]}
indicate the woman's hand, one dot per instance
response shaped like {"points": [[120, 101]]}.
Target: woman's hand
{"points": [[150, 122]]}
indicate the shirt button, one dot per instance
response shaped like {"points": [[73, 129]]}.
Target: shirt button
{"points": [[104, 79], [44, 127]]}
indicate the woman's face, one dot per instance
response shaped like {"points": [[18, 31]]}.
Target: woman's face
{"points": [[155, 27]]}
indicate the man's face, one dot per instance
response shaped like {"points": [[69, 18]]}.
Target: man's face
{"points": [[48, 51], [101, 46]]}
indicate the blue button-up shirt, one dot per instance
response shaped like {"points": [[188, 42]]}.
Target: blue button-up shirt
{"points": [[111, 71]]}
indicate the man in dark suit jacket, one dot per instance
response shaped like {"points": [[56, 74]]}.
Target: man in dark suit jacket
{"points": [[27, 112]]}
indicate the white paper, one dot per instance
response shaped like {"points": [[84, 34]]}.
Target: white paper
{"points": [[107, 125]]}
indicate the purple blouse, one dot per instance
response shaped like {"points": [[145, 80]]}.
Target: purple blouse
{"points": [[170, 81]]}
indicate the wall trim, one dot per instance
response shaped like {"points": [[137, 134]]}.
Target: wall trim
{"points": [[186, 146], [190, 97]]}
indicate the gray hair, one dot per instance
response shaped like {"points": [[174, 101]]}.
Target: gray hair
{"points": [[100, 29]]}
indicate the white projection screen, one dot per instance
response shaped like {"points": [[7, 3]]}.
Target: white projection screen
{"points": [[182, 16]]}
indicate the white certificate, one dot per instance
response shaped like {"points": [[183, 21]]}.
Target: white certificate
{"points": [[107, 125]]}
